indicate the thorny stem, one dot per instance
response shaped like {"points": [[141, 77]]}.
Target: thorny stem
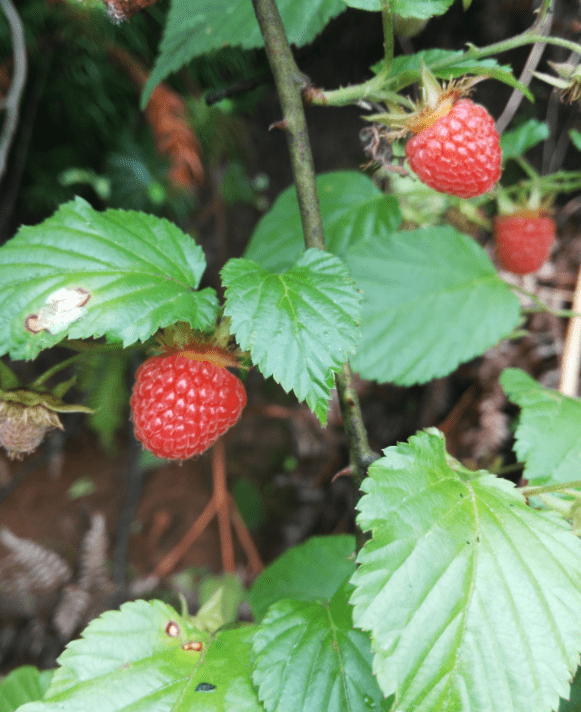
{"points": [[387, 18], [374, 89], [289, 83], [12, 100], [542, 489], [569, 382], [542, 307]]}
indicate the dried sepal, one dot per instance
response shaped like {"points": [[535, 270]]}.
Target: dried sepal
{"points": [[26, 416], [568, 81]]}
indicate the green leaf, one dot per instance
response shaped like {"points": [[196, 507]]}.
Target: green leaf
{"points": [[299, 326], [432, 300], [446, 64], [573, 701], [84, 273], [353, 210], [141, 658], [575, 137], [312, 571], [103, 379], [548, 435], [195, 27], [309, 657], [25, 684], [470, 595], [518, 141]]}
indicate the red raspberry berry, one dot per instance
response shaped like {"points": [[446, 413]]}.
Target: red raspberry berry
{"points": [[181, 406], [523, 240], [459, 153]]}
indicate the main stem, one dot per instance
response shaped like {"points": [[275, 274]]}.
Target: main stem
{"points": [[289, 83]]}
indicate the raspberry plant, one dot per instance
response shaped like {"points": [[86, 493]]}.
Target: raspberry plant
{"points": [[461, 597]]}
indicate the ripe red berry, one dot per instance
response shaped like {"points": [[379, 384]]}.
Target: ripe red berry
{"points": [[523, 240], [459, 152], [181, 405]]}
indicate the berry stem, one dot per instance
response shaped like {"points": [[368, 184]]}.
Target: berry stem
{"points": [[285, 73], [542, 489], [572, 349], [387, 18], [222, 505]]}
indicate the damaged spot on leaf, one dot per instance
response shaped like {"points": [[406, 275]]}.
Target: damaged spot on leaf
{"points": [[205, 687], [195, 645], [62, 308], [172, 629]]}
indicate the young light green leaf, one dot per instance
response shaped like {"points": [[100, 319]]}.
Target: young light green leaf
{"points": [[195, 27], [102, 378], [312, 571], [575, 137], [83, 273], [353, 210], [309, 657], [25, 684], [424, 292], [548, 435], [470, 595], [447, 64], [147, 656], [422, 9], [518, 141], [299, 326]]}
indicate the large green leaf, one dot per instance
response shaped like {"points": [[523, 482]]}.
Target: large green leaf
{"points": [[422, 9], [309, 657], [471, 596], [147, 657], [432, 300], [353, 210], [84, 273], [518, 141], [299, 326], [548, 435], [312, 571], [195, 27], [25, 684], [446, 64]]}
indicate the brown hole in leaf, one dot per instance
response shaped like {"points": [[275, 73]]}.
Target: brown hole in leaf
{"points": [[172, 629], [31, 324], [195, 645]]}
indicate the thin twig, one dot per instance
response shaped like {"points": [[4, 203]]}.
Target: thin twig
{"points": [[289, 83], [572, 349], [526, 75], [14, 96]]}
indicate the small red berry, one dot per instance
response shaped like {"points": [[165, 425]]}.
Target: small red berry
{"points": [[523, 240], [458, 152], [182, 405]]}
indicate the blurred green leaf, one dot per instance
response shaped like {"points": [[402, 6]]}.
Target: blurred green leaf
{"points": [[353, 210], [432, 300], [22, 685], [312, 571], [518, 141], [548, 433], [195, 27]]}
